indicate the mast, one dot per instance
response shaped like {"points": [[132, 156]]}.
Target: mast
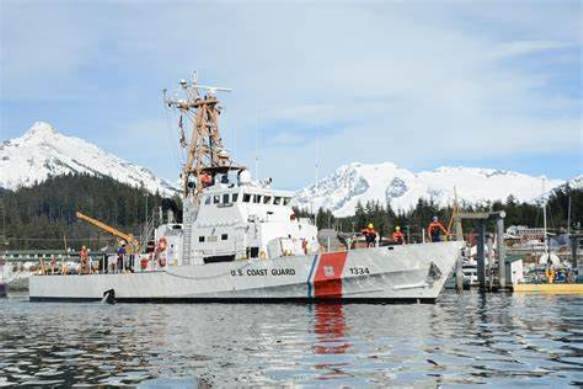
{"points": [[199, 105]]}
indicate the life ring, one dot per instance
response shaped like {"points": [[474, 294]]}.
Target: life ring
{"points": [[162, 243]]}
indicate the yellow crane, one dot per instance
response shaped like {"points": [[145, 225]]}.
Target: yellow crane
{"points": [[133, 243]]}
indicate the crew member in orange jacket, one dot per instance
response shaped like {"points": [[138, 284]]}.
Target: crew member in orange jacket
{"points": [[206, 180], [397, 236], [435, 229], [370, 235]]}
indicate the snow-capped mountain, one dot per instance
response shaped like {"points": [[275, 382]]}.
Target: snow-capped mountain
{"points": [[573, 183], [387, 182], [43, 152]]}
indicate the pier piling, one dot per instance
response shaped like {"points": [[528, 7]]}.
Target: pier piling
{"points": [[490, 267], [501, 250], [480, 254], [459, 275]]}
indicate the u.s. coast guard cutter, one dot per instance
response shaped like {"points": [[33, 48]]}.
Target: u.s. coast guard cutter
{"points": [[241, 242]]}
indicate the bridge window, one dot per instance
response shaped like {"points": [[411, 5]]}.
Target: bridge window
{"points": [[286, 200], [277, 200], [224, 236], [246, 197], [207, 200], [201, 239], [216, 199], [235, 197], [226, 198], [256, 198], [266, 199]]}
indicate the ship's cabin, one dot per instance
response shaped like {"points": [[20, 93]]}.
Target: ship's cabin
{"points": [[241, 219]]}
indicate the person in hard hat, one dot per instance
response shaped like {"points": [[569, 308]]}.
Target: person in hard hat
{"points": [[435, 229], [397, 236], [370, 235]]}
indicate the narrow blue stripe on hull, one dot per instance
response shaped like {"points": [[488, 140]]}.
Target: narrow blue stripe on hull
{"points": [[310, 276]]}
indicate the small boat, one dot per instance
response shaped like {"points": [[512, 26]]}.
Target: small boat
{"points": [[240, 241]]}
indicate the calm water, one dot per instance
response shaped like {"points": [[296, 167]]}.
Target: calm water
{"points": [[468, 339]]}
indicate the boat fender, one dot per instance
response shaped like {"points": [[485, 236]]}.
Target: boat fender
{"points": [[109, 296], [162, 262]]}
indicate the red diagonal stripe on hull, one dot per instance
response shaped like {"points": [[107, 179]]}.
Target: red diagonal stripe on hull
{"points": [[328, 277]]}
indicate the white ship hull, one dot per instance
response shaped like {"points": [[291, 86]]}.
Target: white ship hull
{"points": [[415, 273]]}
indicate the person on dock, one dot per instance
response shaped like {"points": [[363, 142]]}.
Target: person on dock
{"points": [[397, 236], [121, 252], [370, 235], [84, 260], [435, 229]]}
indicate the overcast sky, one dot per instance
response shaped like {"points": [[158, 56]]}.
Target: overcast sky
{"points": [[422, 84]]}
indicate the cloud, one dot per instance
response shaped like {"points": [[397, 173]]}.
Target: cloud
{"points": [[526, 47]]}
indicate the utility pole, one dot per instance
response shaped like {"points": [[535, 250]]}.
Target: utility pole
{"points": [[3, 240], [146, 209], [569, 215]]}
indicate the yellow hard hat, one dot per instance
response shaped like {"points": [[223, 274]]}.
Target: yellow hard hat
{"points": [[370, 225], [397, 228]]}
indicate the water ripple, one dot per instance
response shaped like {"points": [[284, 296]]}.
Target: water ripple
{"points": [[472, 339]]}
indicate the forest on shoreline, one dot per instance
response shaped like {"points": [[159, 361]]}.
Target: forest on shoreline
{"points": [[43, 216]]}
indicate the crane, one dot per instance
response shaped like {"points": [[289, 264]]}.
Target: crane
{"points": [[129, 238]]}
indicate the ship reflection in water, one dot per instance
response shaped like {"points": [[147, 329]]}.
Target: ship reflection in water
{"points": [[329, 328], [468, 339]]}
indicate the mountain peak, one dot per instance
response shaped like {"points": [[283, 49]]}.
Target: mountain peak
{"points": [[40, 129], [43, 152]]}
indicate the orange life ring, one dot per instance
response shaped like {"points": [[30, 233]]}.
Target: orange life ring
{"points": [[162, 243]]}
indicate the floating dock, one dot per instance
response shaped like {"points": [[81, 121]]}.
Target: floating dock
{"points": [[549, 288]]}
